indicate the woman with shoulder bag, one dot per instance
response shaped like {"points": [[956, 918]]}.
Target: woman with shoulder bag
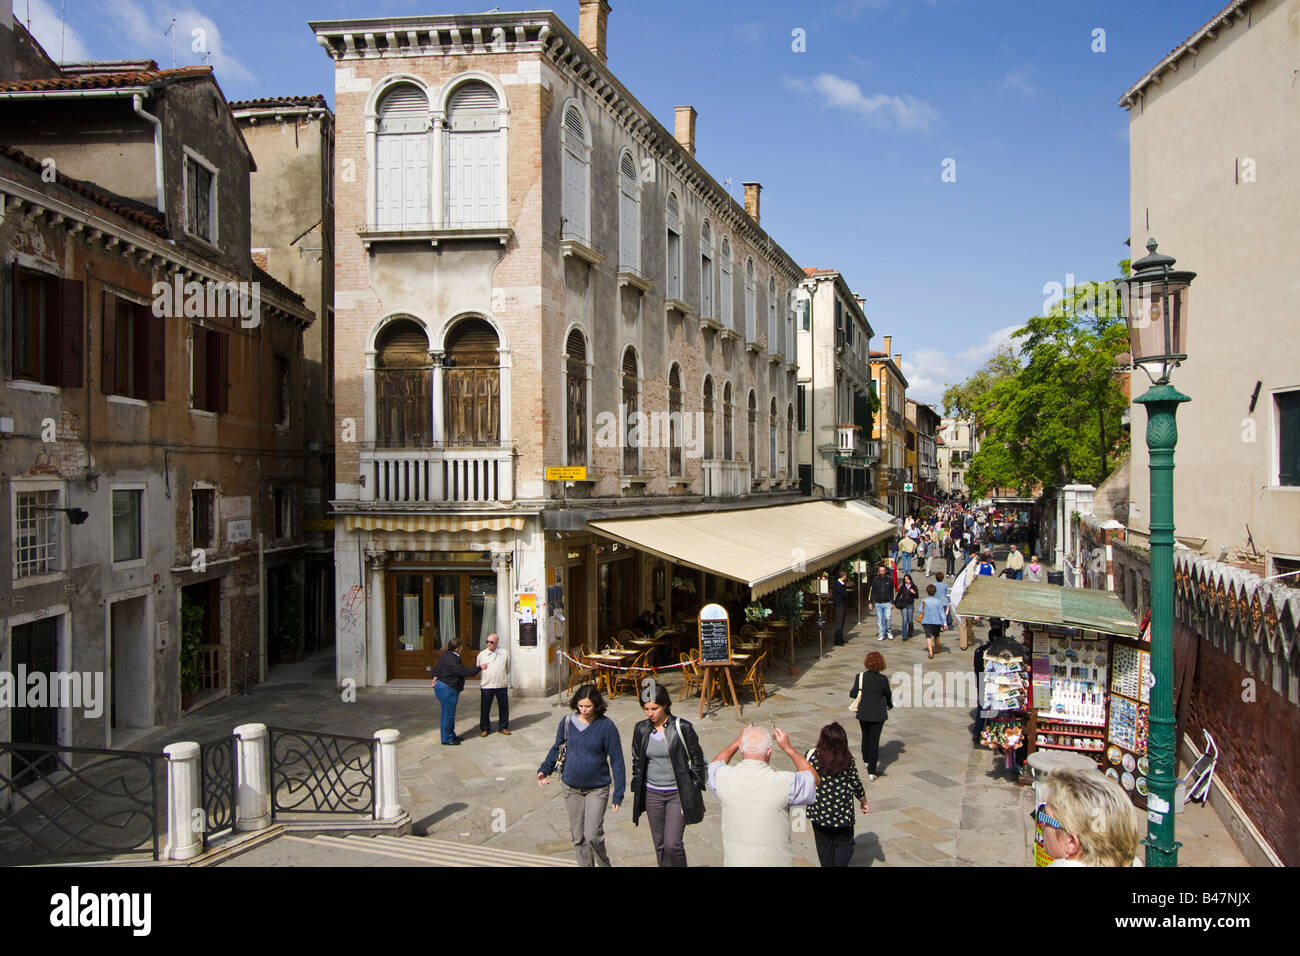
{"points": [[831, 815], [903, 600], [668, 777], [872, 700]]}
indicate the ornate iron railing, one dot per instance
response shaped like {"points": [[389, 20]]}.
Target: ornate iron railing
{"points": [[218, 788], [321, 773], [50, 809]]}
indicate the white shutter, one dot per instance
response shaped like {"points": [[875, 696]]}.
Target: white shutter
{"points": [[728, 317], [388, 182], [415, 179], [629, 216], [575, 195], [474, 157]]}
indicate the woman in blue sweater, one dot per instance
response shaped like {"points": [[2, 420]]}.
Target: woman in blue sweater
{"points": [[592, 753]]}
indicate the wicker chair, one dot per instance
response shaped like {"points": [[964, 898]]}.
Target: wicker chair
{"points": [[748, 631], [580, 673], [753, 679], [624, 636], [630, 679], [692, 675]]}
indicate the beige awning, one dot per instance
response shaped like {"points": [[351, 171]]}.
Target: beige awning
{"points": [[763, 548], [431, 522], [1047, 604]]}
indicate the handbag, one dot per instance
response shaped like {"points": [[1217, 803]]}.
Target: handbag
{"points": [[857, 698], [564, 744]]}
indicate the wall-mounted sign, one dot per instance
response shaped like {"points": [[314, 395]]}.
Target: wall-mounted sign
{"points": [[567, 473], [240, 530], [240, 506], [907, 486], [318, 524]]}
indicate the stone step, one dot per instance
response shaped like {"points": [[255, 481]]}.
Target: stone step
{"points": [[441, 852]]}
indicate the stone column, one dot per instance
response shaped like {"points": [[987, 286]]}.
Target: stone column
{"points": [[387, 806], [377, 630], [438, 412], [505, 598], [184, 802], [252, 776]]}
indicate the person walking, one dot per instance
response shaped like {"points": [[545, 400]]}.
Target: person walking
{"points": [[840, 598], [1034, 571], [495, 685], [931, 617], [1016, 562], [756, 799], [831, 815], [448, 681], [873, 699], [949, 554], [882, 597], [593, 758], [906, 548], [668, 777], [903, 600]]}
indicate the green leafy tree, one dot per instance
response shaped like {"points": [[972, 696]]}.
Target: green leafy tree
{"points": [[959, 400], [1057, 419]]}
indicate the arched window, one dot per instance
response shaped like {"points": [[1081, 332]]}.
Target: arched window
{"points": [[792, 457], [728, 413], [631, 437], [771, 427], [403, 385], [673, 277], [706, 271], [472, 384], [751, 334], [674, 420], [708, 416], [629, 215], [752, 417], [402, 159], [787, 346], [771, 316], [575, 397], [575, 176], [727, 317], [474, 157]]}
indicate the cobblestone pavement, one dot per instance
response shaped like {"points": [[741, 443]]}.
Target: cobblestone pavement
{"points": [[939, 800]]}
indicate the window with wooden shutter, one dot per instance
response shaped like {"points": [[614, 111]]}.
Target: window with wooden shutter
{"points": [[771, 423], [133, 351], [575, 380], [725, 292], [771, 315], [403, 386], [472, 385], [474, 157], [210, 370], [708, 416], [750, 292], [629, 215], [728, 414], [673, 278], [402, 159], [575, 176], [706, 271], [675, 420], [48, 329], [792, 454], [752, 416], [631, 456]]}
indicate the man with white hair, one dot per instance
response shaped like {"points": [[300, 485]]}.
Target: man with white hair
{"points": [[756, 799]]}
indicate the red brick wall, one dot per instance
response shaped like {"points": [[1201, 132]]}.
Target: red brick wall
{"points": [[1259, 745]]}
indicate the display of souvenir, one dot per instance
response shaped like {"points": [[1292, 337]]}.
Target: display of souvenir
{"points": [[1142, 785], [1129, 763], [1143, 765], [1113, 754], [1112, 773]]}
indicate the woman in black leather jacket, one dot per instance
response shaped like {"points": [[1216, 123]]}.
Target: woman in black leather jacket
{"points": [[668, 777]]}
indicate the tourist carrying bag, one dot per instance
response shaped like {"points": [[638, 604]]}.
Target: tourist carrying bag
{"points": [[857, 698], [564, 744]]}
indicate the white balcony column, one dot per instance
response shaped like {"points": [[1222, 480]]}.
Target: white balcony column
{"points": [[184, 802], [253, 798], [435, 397], [507, 433], [438, 195], [387, 804], [377, 637]]}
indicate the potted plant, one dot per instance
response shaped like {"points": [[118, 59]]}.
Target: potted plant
{"points": [[685, 585], [191, 652]]}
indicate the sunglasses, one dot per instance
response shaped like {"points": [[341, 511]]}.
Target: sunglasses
{"points": [[1040, 814]]}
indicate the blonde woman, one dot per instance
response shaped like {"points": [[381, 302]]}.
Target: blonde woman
{"points": [[1088, 820]]}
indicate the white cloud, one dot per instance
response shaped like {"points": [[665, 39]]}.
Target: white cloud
{"points": [[906, 112], [61, 41], [928, 371], [140, 26], [1020, 80]]}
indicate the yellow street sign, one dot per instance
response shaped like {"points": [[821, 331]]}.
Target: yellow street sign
{"points": [[570, 473]]}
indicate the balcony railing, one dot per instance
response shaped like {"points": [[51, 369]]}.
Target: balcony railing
{"points": [[871, 449], [848, 439], [438, 475], [725, 479]]}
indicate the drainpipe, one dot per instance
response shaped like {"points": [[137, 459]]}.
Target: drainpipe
{"points": [[136, 100]]}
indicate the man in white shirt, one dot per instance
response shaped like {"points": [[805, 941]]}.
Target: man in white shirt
{"points": [[495, 684], [756, 799]]}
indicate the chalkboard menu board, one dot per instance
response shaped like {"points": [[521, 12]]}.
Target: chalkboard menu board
{"points": [[715, 635]]}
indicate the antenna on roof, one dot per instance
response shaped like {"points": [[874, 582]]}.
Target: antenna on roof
{"points": [[172, 30]]}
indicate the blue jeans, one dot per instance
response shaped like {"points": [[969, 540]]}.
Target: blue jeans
{"points": [[908, 621], [447, 697], [905, 563], [883, 614]]}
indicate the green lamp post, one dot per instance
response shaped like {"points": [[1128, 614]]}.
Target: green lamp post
{"points": [[1154, 299]]}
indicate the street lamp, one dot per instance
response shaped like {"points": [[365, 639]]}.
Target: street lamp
{"points": [[1154, 301]]}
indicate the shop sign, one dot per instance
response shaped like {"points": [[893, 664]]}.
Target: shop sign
{"points": [[567, 473]]}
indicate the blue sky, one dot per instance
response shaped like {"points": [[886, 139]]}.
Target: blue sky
{"points": [[849, 136]]}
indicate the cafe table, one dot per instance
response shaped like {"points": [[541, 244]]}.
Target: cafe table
{"points": [[609, 658]]}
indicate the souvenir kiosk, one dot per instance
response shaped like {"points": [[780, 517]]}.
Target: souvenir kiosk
{"points": [[1078, 680]]}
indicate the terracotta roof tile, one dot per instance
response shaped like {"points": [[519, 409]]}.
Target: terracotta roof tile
{"points": [[104, 81], [276, 286], [151, 220], [315, 101]]}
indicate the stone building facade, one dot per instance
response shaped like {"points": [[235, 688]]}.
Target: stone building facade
{"points": [[890, 427], [527, 263]]}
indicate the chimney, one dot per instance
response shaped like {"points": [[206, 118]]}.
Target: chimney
{"points": [[898, 361], [889, 340], [593, 15], [685, 131], [751, 200]]}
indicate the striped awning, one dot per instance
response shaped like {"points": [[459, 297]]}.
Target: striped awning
{"points": [[763, 548], [432, 523]]}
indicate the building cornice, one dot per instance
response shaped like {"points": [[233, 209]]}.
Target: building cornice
{"points": [[1229, 15], [543, 33]]}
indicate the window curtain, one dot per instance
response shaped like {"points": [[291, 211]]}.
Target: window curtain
{"points": [[446, 620], [411, 636]]}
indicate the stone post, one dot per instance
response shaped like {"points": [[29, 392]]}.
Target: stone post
{"points": [[387, 806], [185, 823], [252, 778]]}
